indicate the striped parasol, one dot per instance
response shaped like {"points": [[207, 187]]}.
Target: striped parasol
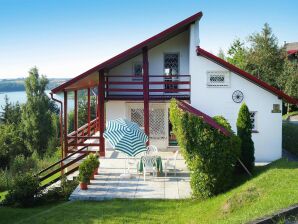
{"points": [[126, 136]]}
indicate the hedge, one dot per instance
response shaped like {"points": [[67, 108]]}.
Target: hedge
{"points": [[290, 136], [210, 155]]}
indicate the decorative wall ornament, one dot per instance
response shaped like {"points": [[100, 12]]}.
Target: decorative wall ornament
{"points": [[237, 96]]}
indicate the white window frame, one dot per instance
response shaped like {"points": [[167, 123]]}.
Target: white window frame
{"points": [[224, 84]]}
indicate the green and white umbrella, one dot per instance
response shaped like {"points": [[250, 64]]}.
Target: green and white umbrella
{"points": [[126, 136]]}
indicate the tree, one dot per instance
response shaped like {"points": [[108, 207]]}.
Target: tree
{"points": [[221, 54], [237, 54], [11, 113], [264, 58], [37, 115], [288, 80], [244, 130]]}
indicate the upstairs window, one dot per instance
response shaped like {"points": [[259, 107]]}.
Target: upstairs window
{"points": [[171, 69], [137, 70], [218, 79]]}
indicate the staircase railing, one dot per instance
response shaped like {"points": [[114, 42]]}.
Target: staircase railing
{"points": [[42, 177]]}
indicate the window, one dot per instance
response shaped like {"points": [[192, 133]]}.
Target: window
{"points": [[218, 79], [171, 68], [138, 70], [253, 118]]}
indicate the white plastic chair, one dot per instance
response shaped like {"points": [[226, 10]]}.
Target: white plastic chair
{"points": [[148, 165], [171, 163], [151, 150]]}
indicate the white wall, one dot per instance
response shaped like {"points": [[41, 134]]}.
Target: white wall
{"points": [[218, 101]]}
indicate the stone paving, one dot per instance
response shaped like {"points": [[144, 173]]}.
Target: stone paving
{"points": [[108, 184]]}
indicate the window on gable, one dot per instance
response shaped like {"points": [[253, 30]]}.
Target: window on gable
{"points": [[171, 69], [137, 70], [253, 119], [218, 79]]}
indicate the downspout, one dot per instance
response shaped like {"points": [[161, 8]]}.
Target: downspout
{"points": [[61, 126]]}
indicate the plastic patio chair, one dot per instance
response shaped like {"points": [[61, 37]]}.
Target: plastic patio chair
{"points": [[171, 163], [149, 165], [151, 150]]}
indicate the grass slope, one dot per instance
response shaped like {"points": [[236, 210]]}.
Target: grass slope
{"points": [[272, 188]]}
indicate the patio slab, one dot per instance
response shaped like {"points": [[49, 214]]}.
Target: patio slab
{"points": [[108, 184]]}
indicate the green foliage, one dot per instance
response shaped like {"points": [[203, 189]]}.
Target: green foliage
{"points": [[244, 131], [11, 113], [11, 144], [237, 54], [37, 121], [221, 54], [5, 180], [20, 164], [24, 190], [289, 137], [85, 170], [265, 56], [288, 115], [93, 159], [210, 155]]}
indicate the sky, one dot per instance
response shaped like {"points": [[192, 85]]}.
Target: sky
{"points": [[64, 38]]}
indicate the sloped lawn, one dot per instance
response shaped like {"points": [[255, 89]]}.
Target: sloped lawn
{"points": [[272, 188]]}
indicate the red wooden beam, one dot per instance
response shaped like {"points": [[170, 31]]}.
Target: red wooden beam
{"points": [[65, 125], [146, 90], [89, 106], [75, 123], [101, 103]]}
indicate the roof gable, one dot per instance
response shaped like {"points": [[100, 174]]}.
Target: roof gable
{"points": [[137, 49], [246, 75]]}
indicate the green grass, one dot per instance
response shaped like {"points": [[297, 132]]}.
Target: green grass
{"points": [[48, 180], [272, 188]]}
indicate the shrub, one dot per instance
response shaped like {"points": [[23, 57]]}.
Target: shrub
{"points": [[93, 160], [244, 130], [5, 180], [85, 171], [24, 190], [289, 137], [21, 164], [210, 155]]}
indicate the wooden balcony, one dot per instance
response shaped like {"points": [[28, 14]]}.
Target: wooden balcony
{"points": [[161, 87]]}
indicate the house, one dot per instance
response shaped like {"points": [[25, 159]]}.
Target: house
{"points": [[138, 84], [292, 50]]}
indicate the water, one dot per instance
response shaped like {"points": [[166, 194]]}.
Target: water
{"points": [[20, 96]]}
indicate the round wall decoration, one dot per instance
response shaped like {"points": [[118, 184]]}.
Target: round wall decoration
{"points": [[237, 96]]}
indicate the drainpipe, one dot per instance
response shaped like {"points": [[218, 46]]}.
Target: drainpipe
{"points": [[61, 129]]}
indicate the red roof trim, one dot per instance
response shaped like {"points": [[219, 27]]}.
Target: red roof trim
{"points": [[132, 50], [186, 107], [292, 52], [246, 75]]}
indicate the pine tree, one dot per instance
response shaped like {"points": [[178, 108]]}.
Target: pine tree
{"points": [[37, 115], [237, 54], [244, 130]]}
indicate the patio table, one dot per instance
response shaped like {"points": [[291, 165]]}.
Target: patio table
{"points": [[158, 164]]}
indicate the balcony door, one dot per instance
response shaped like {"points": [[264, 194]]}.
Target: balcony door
{"points": [[171, 69]]}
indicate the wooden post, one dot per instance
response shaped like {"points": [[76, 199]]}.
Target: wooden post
{"points": [[76, 117], [146, 91], [89, 106], [65, 125], [101, 111]]}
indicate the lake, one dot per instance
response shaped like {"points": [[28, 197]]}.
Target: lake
{"points": [[20, 96]]}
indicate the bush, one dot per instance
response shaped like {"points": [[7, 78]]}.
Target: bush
{"points": [[244, 130], [85, 171], [210, 155], [24, 191], [93, 160], [5, 180], [21, 164], [289, 137]]}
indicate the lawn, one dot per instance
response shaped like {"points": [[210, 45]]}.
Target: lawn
{"points": [[272, 188]]}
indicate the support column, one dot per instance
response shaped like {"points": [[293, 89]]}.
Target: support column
{"points": [[76, 117], [89, 107], [65, 125], [146, 91], [101, 111]]}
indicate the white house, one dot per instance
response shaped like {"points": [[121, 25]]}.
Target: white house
{"points": [[139, 83]]}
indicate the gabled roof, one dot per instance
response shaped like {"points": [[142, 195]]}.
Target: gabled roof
{"points": [[207, 119], [134, 51], [246, 75]]}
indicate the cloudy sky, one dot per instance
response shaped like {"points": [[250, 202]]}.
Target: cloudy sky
{"points": [[64, 38]]}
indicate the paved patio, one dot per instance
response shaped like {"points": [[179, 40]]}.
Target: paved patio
{"points": [[108, 184]]}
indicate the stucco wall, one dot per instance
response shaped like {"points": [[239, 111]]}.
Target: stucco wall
{"points": [[218, 101]]}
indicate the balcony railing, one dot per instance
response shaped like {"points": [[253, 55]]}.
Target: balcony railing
{"points": [[160, 87]]}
